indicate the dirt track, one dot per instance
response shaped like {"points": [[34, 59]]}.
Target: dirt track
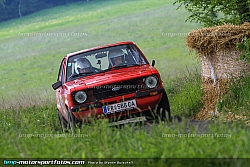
{"points": [[201, 126]]}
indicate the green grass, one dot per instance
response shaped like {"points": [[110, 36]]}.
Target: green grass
{"points": [[25, 129], [185, 94], [237, 98], [29, 65]]}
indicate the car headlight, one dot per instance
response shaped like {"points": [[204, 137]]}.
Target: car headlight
{"points": [[80, 97], [151, 82]]}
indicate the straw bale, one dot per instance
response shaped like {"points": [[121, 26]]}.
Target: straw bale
{"points": [[216, 79], [216, 46], [225, 65], [212, 93], [208, 41]]}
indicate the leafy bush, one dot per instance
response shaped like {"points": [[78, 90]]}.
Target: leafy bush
{"points": [[245, 47]]}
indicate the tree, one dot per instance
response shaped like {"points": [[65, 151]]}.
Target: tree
{"points": [[10, 9], [2, 2], [217, 12]]}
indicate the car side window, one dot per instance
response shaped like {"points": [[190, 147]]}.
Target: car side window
{"points": [[136, 55], [130, 58]]}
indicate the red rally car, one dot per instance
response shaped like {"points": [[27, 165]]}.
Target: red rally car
{"points": [[112, 81]]}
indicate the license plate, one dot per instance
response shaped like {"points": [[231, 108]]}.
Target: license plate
{"points": [[119, 107]]}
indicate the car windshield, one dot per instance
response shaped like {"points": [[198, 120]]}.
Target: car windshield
{"points": [[103, 60]]}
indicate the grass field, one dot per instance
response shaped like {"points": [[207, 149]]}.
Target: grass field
{"points": [[33, 46]]}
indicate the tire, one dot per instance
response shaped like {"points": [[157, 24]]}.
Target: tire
{"points": [[163, 109], [72, 121], [62, 121]]}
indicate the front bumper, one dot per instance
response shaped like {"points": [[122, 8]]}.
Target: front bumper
{"points": [[145, 100]]}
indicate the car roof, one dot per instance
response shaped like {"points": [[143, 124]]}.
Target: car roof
{"points": [[99, 47]]}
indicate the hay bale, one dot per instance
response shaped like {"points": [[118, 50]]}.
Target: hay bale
{"points": [[212, 93], [216, 46], [208, 41], [224, 65]]}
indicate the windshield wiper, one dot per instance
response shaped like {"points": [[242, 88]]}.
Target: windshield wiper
{"points": [[81, 74], [120, 66], [134, 65]]}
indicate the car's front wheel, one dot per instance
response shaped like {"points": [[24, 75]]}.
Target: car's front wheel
{"points": [[72, 121], [163, 109], [62, 121]]}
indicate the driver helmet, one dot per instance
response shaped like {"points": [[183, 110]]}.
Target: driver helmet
{"points": [[83, 64], [113, 56]]}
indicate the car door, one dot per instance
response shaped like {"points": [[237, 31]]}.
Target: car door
{"points": [[60, 92]]}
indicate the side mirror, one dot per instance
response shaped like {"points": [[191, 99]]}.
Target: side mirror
{"points": [[153, 63], [56, 85]]}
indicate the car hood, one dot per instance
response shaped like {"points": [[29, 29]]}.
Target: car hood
{"points": [[112, 76]]}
